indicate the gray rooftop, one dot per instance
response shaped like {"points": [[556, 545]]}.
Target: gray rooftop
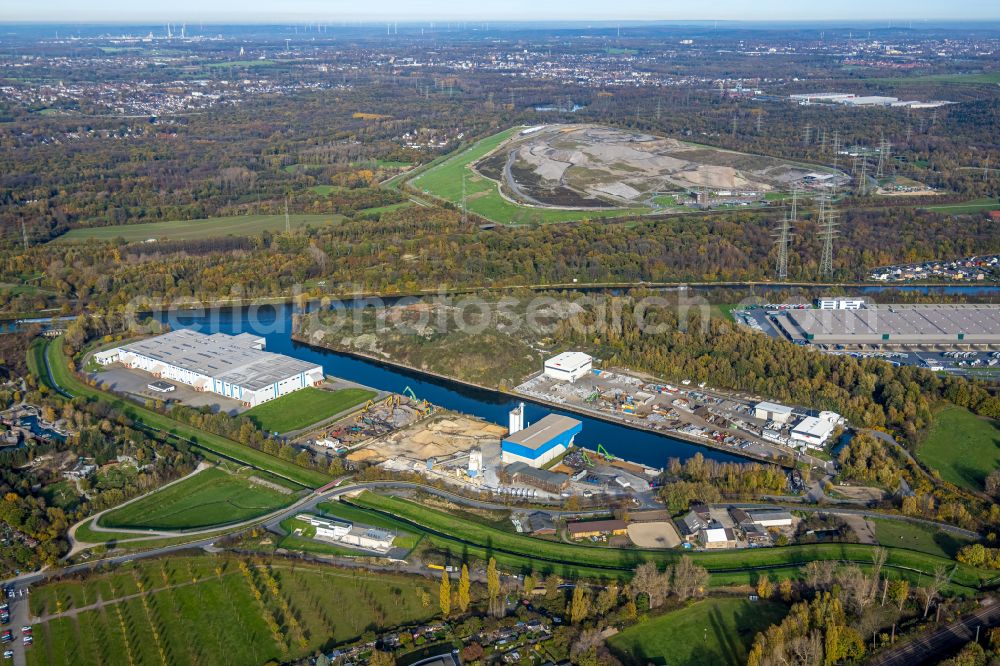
{"points": [[907, 323], [758, 515], [524, 469], [236, 359], [542, 431]]}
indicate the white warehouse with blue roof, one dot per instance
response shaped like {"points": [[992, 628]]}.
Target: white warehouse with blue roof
{"points": [[234, 366], [540, 442]]}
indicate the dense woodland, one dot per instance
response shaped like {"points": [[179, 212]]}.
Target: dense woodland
{"points": [[419, 248], [39, 505]]}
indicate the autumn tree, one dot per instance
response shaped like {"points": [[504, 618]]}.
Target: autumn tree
{"points": [[444, 594], [463, 589], [764, 587], [579, 604]]}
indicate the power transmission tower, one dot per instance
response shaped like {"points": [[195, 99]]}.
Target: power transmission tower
{"points": [[24, 235], [733, 130], [822, 140], [836, 148], [827, 233], [784, 239], [986, 171], [760, 116], [658, 108], [863, 183], [883, 154], [288, 222], [807, 135]]}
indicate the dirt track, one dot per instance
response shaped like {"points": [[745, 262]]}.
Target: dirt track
{"points": [[654, 535]]}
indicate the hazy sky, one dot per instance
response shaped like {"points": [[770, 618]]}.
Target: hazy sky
{"points": [[243, 11]]}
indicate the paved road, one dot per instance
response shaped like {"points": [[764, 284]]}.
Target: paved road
{"points": [[931, 647], [20, 614], [309, 502], [78, 545], [968, 534]]}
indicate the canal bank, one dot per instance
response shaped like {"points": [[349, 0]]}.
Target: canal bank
{"points": [[552, 406], [274, 323]]}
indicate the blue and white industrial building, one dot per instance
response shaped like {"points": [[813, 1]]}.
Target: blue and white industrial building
{"points": [[540, 442], [234, 366]]}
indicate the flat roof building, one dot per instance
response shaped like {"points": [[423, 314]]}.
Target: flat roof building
{"points": [[569, 366], [234, 366], [942, 324], [820, 97], [772, 411], [325, 527], [869, 100], [540, 442], [717, 537], [813, 431]]}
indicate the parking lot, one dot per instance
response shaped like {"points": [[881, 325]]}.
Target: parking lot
{"points": [[18, 624], [136, 383]]}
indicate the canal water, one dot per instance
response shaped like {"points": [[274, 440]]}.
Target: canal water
{"points": [[274, 323]]}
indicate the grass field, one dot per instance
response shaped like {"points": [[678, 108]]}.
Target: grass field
{"points": [[204, 610], [212, 227], [980, 78], [36, 362], [131, 540], [210, 497], [305, 407], [963, 447], [444, 180], [404, 536], [899, 534], [713, 631], [973, 206], [204, 440], [457, 535]]}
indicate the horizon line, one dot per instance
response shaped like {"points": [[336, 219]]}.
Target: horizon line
{"points": [[893, 22]]}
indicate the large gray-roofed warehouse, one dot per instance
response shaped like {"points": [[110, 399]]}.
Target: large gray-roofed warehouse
{"points": [[943, 324], [235, 366]]}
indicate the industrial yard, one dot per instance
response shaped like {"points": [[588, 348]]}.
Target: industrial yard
{"points": [[374, 420], [696, 413]]}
